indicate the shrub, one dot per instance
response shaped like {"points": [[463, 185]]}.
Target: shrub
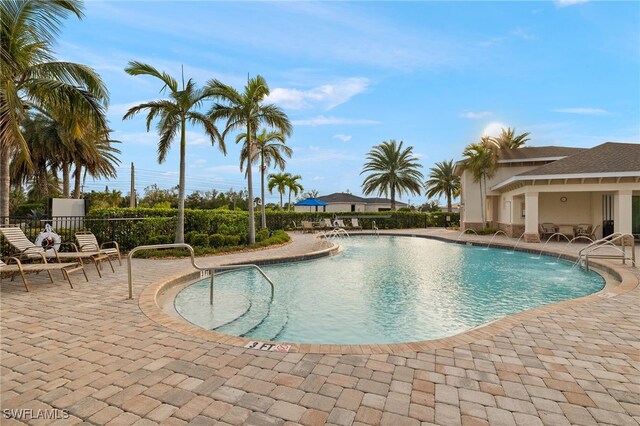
{"points": [[216, 240], [160, 239], [262, 235], [189, 235], [200, 240], [231, 240]]}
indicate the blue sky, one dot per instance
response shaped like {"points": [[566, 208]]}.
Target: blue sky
{"points": [[436, 75]]}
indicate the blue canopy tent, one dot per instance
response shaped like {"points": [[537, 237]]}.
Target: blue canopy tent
{"points": [[311, 203]]}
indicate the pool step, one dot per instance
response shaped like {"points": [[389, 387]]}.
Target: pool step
{"points": [[250, 320], [273, 324]]}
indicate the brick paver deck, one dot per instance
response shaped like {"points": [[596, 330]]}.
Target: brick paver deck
{"points": [[95, 354]]}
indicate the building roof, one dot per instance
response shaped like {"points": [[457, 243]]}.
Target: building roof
{"points": [[532, 153], [383, 201], [610, 157], [341, 197]]}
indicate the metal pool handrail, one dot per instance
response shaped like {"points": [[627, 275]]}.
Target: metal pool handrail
{"points": [[210, 269]]}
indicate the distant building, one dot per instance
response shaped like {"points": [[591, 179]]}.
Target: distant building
{"points": [[558, 185], [345, 202]]}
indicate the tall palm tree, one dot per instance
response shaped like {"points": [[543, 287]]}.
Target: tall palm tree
{"points": [[481, 162], [293, 186], [269, 147], [31, 78], [508, 139], [443, 181], [173, 114], [247, 111], [394, 171], [279, 181]]}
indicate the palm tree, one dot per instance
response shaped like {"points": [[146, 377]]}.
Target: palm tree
{"points": [[96, 155], [443, 181], [294, 186], [269, 147], [32, 79], [278, 180], [247, 111], [481, 162], [173, 114], [508, 139], [395, 171]]}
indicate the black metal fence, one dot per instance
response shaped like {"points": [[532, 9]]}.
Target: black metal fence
{"points": [[128, 232]]}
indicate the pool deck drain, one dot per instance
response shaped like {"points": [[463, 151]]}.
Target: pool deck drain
{"points": [[95, 354]]}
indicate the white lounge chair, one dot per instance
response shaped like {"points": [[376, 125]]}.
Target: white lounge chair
{"points": [[27, 250], [355, 224], [88, 242]]}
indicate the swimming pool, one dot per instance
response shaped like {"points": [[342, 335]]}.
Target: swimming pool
{"points": [[384, 290]]}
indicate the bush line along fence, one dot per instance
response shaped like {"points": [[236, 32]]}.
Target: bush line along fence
{"points": [[133, 227]]}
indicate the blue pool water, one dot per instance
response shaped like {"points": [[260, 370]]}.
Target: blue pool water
{"points": [[384, 290]]}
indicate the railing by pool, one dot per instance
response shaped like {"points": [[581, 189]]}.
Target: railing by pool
{"points": [[207, 269]]}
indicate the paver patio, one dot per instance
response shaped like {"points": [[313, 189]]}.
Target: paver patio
{"points": [[95, 354]]}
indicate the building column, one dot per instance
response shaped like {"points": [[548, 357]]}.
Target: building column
{"points": [[531, 218], [622, 211]]}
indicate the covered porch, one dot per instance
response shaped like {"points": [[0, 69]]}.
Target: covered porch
{"points": [[594, 209]]}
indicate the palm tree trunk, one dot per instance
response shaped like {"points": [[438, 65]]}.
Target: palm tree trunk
{"points": [[289, 203], [281, 195], [43, 184], [65, 179], [252, 222], [5, 183], [449, 202], [77, 175], [181, 185], [264, 209], [393, 198], [482, 211]]}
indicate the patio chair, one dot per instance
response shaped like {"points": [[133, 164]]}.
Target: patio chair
{"points": [[583, 230], [307, 226], [355, 224], [547, 230], [23, 269], [326, 223], [593, 233], [339, 223], [88, 242], [27, 250]]}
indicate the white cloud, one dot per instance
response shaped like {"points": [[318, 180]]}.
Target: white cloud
{"points": [[200, 161], [583, 111], [565, 3], [321, 120], [343, 138], [326, 96], [318, 178], [523, 34], [476, 115]]}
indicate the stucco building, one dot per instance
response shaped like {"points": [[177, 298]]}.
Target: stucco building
{"points": [[561, 185]]}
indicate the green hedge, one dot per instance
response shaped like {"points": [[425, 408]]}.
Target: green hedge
{"points": [[224, 228]]}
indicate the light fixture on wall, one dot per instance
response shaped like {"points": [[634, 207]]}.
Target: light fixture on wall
{"points": [[563, 199]]}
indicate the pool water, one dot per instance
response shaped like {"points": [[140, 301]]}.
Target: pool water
{"points": [[384, 290]]}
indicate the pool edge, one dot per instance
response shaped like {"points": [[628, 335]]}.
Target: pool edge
{"points": [[148, 303]]}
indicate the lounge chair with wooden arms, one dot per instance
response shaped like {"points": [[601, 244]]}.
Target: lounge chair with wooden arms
{"points": [[88, 242], [355, 224], [27, 250], [547, 230], [23, 269]]}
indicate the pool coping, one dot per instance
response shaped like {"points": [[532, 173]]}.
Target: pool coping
{"points": [[617, 281]]}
